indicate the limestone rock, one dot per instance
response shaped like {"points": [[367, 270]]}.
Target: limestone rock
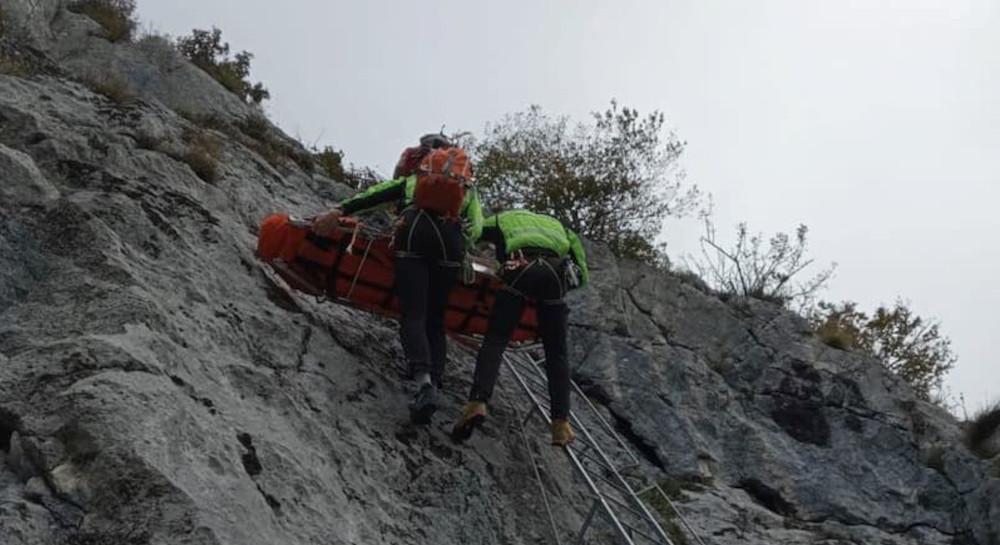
{"points": [[23, 183], [156, 388]]}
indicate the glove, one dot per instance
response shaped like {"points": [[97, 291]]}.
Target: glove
{"points": [[325, 224]]}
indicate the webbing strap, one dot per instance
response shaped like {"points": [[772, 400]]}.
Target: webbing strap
{"points": [[484, 288], [361, 266]]}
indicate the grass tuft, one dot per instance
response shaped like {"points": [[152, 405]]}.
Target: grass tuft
{"points": [[981, 428], [114, 16], [115, 88], [675, 491], [11, 65], [933, 458], [202, 154]]}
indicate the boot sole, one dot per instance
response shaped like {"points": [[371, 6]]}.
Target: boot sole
{"points": [[422, 416], [463, 431], [563, 444]]}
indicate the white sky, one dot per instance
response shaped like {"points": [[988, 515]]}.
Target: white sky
{"points": [[876, 123]]}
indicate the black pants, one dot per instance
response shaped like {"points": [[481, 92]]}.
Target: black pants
{"points": [[542, 281], [428, 260]]}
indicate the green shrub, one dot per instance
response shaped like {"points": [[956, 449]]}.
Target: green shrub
{"points": [[113, 87], [207, 51], [933, 457], [692, 279], [11, 65], [910, 346], [202, 154], [114, 16], [836, 337], [755, 266], [331, 163], [256, 133], [978, 431], [613, 180], [361, 178], [260, 137], [661, 506]]}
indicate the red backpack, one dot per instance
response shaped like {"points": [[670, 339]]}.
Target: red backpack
{"points": [[441, 182], [409, 160]]}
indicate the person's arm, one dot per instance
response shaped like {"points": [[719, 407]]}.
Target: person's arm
{"points": [[579, 256], [491, 233], [473, 212], [376, 195]]}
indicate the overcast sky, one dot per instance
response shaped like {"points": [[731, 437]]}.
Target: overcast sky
{"points": [[877, 122]]}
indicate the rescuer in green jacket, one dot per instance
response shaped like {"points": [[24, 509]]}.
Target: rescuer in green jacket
{"points": [[541, 260], [429, 253]]}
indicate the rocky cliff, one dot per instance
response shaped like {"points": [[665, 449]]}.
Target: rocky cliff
{"points": [[156, 389]]}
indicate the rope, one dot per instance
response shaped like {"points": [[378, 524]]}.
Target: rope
{"points": [[357, 273]]}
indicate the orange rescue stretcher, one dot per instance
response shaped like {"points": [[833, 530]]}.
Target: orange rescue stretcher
{"points": [[355, 266]]}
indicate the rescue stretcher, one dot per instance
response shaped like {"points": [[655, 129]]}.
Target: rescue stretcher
{"points": [[355, 266]]}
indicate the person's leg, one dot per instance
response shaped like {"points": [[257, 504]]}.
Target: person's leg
{"points": [[413, 277], [411, 287], [504, 317], [506, 313], [444, 275], [553, 322], [442, 280], [553, 326]]}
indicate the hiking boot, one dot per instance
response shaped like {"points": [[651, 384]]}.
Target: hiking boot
{"points": [[562, 433], [424, 404], [472, 417]]}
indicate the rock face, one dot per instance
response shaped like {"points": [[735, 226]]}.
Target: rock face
{"points": [[156, 389]]}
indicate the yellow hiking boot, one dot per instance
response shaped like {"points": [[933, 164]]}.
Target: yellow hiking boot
{"points": [[473, 415], [562, 433]]}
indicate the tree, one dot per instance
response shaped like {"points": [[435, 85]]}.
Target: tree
{"points": [[751, 268], [906, 344], [613, 181], [207, 51]]}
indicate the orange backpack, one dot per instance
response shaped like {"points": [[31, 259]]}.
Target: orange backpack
{"points": [[441, 182]]}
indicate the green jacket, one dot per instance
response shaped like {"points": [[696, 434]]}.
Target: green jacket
{"points": [[516, 229], [400, 193]]}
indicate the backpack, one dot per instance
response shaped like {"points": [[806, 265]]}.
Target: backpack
{"points": [[409, 160], [441, 182]]}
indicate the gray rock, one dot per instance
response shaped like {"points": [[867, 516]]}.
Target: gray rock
{"points": [[31, 19], [23, 183], [155, 387], [20, 458], [36, 490]]}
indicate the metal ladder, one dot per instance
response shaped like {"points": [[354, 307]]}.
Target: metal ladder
{"points": [[600, 457]]}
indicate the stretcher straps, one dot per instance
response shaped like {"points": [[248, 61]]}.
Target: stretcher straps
{"points": [[473, 311], [326, 245], [361, 265]]}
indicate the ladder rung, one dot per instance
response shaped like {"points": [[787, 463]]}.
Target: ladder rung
{"points": [[651, 519], [651, 539], [634, 512], [645, 490], [617, 486], [541, 386], [600, 463]]}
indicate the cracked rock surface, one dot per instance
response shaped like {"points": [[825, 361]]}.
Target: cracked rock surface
{"points": [[155, 388]]}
